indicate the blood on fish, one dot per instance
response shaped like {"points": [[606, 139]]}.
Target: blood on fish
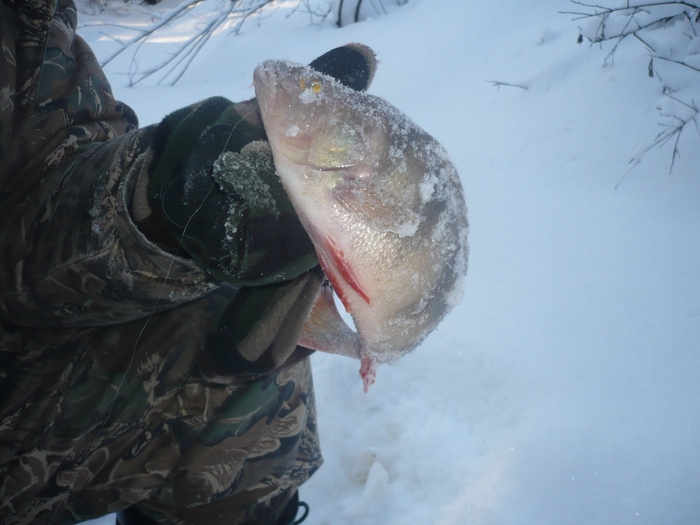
{"points": [[332, 276], [340, 264], [368, 371], [346, 271]]}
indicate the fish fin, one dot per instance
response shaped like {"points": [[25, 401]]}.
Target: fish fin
{"points": [[326, 331]]}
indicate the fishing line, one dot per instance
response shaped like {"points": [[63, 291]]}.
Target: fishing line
{"points": [[150, 315]]}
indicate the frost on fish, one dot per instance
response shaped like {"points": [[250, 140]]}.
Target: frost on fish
{"points": [[381, 202]]}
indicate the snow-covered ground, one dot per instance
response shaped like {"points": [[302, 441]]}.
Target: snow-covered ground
{"points": [[565, 389]]}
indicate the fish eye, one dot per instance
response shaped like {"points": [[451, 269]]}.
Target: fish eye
{"points": [[312, 83]]}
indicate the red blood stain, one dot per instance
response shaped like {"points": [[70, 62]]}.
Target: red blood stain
{"points": [[368, 371]]}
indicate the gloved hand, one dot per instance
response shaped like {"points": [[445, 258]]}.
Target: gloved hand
{"points": [[213, 185]]}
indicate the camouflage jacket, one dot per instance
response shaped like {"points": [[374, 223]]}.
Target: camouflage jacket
{"points": [[128, 374]]}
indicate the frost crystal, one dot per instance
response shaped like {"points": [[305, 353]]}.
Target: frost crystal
{"points": [[236, 174], [407, 229], [308, 96], [427, 187]]}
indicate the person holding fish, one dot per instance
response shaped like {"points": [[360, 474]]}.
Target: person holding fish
{"points": [[163, 287]]}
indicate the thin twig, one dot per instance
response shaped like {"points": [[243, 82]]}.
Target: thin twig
{"points": [[152, 29], [639, 17], [498, 84], [664, 137], [679, 62]]}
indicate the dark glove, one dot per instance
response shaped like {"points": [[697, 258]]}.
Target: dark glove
{"points": [[214, 185]]}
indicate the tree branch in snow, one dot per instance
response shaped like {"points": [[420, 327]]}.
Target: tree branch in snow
{"points": [[618, 23], [228, 15], [200, 19], [233, 13], [679, 62], [498, 84], [359, 10], [673, 132], [674, 23]]}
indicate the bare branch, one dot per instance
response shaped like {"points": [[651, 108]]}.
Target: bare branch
{"points": [[145, 34], [227, 13], [672, 132], [679, 62], [637, 18], [498, 84], [236, 12]]}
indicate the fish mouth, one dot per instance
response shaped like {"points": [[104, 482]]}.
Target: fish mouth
{"points": [[265, 81]]}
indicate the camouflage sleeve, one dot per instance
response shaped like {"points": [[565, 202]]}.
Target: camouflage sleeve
{"points": [[96, 419], [79, 259], [71, 253], [202, 413], [86, 237]]}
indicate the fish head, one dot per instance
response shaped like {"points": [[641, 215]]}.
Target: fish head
{"points": [[379, 198], [309, 127]]}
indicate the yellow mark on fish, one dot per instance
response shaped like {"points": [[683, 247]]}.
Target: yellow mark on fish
{"points": [[314, 84]]}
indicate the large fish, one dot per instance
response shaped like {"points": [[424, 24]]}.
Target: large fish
{"points": [[382, 204]]}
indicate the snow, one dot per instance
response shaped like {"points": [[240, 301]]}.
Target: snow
{"points": [[564, 388], [251, 188], [308, 96]]}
